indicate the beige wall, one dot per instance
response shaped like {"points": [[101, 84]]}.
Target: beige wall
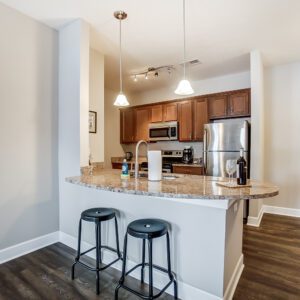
{"points": [[282, 142], [206, 86], [97, 104], [28, 129]]}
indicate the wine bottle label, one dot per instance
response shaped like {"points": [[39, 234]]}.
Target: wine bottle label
{"points": [[237, 171]]}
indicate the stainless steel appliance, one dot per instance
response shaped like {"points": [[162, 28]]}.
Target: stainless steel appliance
{"points": [[188, 155], [128, 156], [169, 157], [222, 141], [165, 131]]}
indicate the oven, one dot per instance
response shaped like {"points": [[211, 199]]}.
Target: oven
{"points": [[165, 131]]}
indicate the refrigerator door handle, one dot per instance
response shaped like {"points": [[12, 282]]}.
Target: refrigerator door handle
{"points": [[205, 148]]}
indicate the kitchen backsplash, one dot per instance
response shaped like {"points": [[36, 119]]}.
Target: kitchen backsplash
{"points": [[174, 145]]}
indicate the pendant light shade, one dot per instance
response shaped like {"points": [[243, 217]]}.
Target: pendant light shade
{"points": [[121, 99], [184, 87]]}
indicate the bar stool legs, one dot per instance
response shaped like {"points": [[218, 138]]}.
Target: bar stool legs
{"points": [[98, 256], [78, 249], [91, 216], [150, 264], [143, 261]]}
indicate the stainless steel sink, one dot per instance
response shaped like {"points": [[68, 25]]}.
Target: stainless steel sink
{"points": [[164, 177], [169, 177]]}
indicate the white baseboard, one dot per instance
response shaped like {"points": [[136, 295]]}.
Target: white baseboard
{"points": [[255, 221], [276, 210], [234, 280], [28, 246], [284, 211], [186, 291]]}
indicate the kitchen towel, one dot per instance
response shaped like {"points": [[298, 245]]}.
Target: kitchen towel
{"points": [[154, 165]]}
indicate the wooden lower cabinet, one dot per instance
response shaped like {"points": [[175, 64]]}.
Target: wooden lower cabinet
{"points": [[191, 170], [116, 165]]}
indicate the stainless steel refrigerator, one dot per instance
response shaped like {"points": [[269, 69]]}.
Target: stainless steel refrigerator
{"points": [[222, 141]]}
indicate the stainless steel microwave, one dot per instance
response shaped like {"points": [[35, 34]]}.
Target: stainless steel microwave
{"points": [[165, 131]]}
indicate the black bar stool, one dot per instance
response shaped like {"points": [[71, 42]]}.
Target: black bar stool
{"points": [[97, 215], [147, 229]]}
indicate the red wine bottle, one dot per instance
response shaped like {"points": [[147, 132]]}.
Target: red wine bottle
{"points": [[241, 169]]}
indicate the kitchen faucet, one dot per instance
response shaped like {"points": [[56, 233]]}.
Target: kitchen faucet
{"points": [[136, 166]]}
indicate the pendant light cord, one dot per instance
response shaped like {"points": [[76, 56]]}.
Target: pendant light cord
{"points": [[120, 43], [184, 48]]}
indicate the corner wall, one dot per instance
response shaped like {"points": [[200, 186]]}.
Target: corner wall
{"points": [[28, 129], [282, 142]]}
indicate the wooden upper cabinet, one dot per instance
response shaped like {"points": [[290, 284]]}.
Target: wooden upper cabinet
{"points": [[142, 119], [239, 104], [127, 124], [156, 112], [217, 107], [163, 112], [200, 118], [170, 112], [185, 118]]}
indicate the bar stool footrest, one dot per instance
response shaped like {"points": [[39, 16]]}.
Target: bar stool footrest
{"points": [[172, 279], [77, 259]]}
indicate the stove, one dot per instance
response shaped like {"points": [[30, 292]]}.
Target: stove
{"points": [[169, 157]]}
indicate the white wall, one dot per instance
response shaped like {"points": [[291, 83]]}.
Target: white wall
{"points": [[282, 142], [96, 81], [28, 129], [201, 87]]}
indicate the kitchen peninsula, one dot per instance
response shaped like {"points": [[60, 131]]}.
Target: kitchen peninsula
{"points": [[205, 219]]}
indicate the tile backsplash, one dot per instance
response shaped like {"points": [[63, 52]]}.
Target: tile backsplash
{"points": [[169, 145]]}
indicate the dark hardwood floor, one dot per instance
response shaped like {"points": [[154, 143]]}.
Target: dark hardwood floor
{"points": [[272, 269], [272, 260], [45, 274]]}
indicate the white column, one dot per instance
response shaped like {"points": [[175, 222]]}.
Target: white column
{"points": [[73, 97], [73, 110], [257, 124]]}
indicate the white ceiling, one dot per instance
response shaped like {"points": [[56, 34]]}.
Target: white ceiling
{"points": [[220, 33]]}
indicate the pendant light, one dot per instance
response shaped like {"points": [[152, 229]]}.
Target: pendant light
{"points": [[184, 87], [121, 99]]}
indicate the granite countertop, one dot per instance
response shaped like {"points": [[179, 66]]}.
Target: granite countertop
{"points": [[183, 186]]}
